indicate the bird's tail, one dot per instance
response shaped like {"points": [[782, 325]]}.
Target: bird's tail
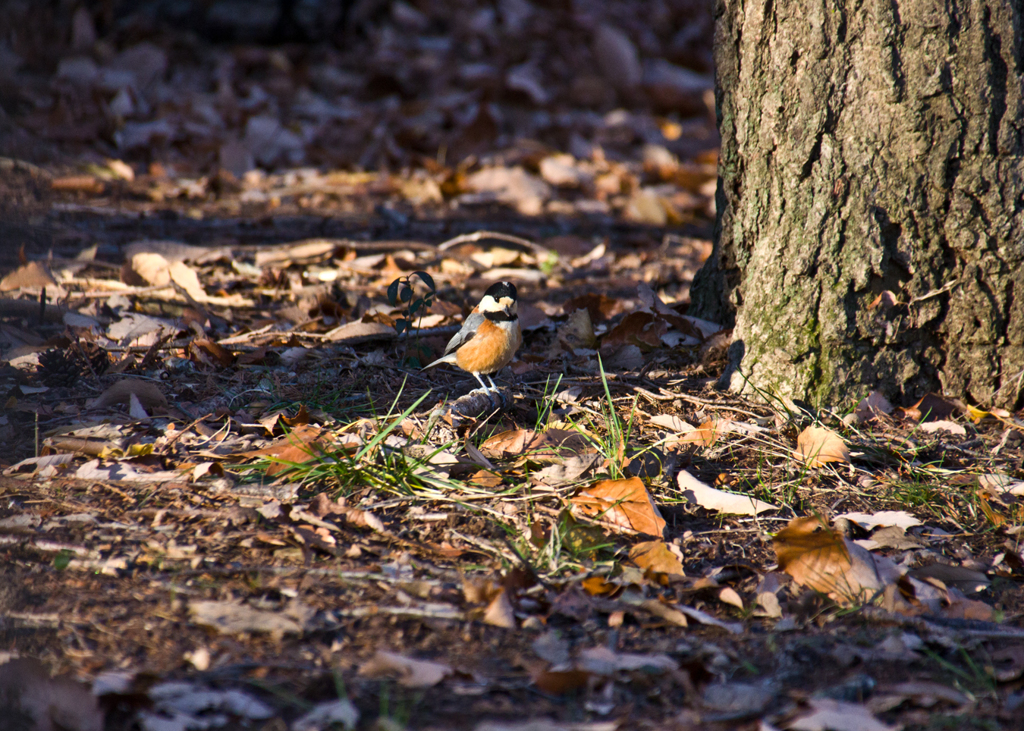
{"points": [[450, 358]]}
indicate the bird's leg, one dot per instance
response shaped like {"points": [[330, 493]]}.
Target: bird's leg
{"points": [[493, 387], [482, 384]]}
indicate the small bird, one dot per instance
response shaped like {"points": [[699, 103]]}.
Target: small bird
{"points": [[490, 336]]}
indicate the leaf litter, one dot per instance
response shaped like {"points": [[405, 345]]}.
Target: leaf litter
{"points": [[230, 495]]}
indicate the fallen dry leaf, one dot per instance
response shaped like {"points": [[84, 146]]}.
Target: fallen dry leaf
{"points": [[707, 433], [817, 446], [301, 445], [642, 329], [327, 713], [624, 503], [672, 423], [603, 661], [831, 715], [235, 618], [821, 559], [34, 700], [409, 672], [575, 332], [708, 497], [933, 407], [656, 556], [499, 612], [730, 596], [551, 444], [923, 693], [121, 392], [899, 518], [568, 472], [872, 405], [33, 275], [553, 682], [966, 580], [951, 427]]}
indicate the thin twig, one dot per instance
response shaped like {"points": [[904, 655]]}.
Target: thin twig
{"points": [[478, 235]]}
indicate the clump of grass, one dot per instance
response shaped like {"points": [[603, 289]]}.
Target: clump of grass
{"points": [[611, 436], [572, 546], [375, 464]]}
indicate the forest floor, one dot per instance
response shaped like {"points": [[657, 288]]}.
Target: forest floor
{"points": [[231, 498]]}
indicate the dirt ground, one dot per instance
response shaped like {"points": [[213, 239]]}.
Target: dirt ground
{"points": [[231, 498]]}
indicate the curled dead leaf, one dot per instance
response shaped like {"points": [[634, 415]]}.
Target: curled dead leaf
{"points": [[708, 497], [817, 446]]}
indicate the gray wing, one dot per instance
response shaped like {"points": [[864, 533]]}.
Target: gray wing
{"points": [[468, 330]]}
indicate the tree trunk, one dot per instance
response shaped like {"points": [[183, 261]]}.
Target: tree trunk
{"points": [[870, 230]]}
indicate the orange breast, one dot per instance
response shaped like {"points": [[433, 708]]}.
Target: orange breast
{"points": [[490, 349]]}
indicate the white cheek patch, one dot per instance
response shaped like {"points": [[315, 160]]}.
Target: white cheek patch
{"points": [[487, 304]]}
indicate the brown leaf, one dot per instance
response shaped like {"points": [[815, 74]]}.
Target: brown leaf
{"points": [[656, 556], [821, 559], [729, 596], [486, 479], [707, 433], [601, 307], [605, 661], [209, 352], [410, 673], [499, 612], [576, 332], [599, 586], [121, 392], [553, 443], [302, 444], [186, 277], [147, 268], [930, 427], [623, 503], [32, 276], [933, 407], [817, 446], [642, 329]]}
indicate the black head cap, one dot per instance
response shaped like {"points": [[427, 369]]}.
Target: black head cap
{"points": [[502, 289]]}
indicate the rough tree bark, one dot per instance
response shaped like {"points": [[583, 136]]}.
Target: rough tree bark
{"points": [[872, 147]]}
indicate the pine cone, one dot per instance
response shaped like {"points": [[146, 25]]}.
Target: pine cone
{"points": [[63, 367], [59, 367]]}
